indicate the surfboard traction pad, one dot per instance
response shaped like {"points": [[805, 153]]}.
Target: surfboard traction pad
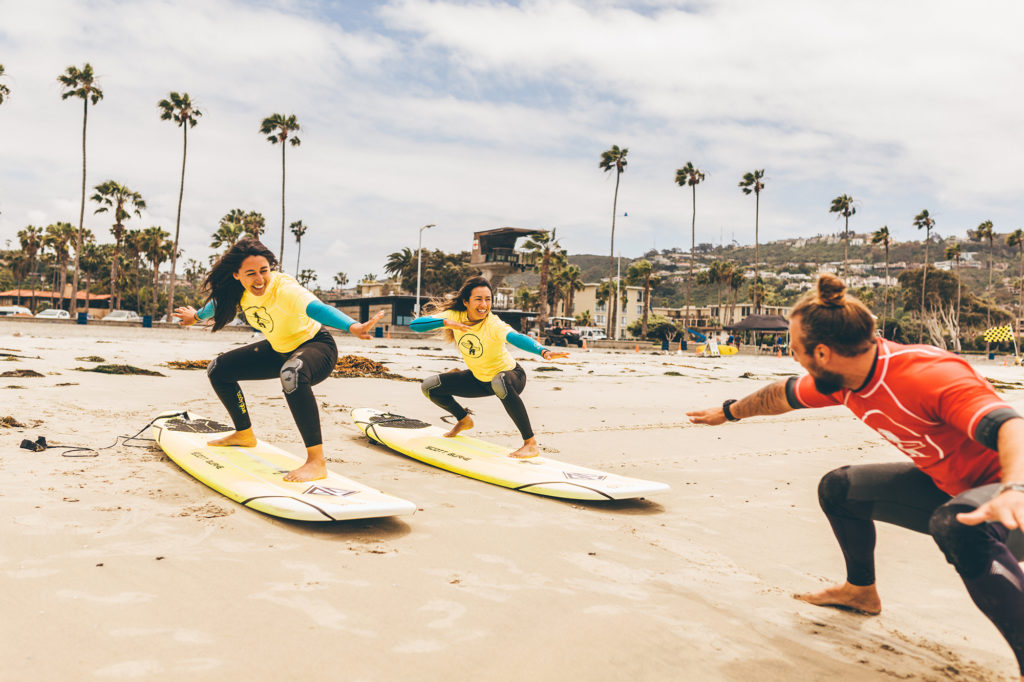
{"points": [[196, 426], [397, 421]]}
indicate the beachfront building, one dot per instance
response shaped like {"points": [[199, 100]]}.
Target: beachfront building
{"points": [[703, 318], [629, 312], [36, 300]]}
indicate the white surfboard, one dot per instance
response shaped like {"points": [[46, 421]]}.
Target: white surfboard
{"points": [[489, 462], [254, 477]]}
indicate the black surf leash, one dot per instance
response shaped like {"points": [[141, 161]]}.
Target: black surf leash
{"points": [[40, 444]]}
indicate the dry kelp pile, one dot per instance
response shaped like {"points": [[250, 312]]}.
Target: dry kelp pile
{"points": [[358, 366], [21, 373], [188, 364], [120, 369], [10, 423]]}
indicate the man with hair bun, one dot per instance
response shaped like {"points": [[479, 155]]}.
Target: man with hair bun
{"points": [[964, 483]]}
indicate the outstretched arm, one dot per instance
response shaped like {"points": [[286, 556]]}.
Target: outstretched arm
{"points": [[770, 399], [187, 315], [332, 317], [1007, 507], [530, 345]]}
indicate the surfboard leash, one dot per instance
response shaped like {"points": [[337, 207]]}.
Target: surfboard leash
{"points": [[40, 444]]}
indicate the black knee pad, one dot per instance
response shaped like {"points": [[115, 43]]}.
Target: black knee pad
{"points": [[833, 490], [211, 368], [968, 548]]}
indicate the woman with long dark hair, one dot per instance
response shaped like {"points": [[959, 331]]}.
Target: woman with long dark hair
{"points": [[297, 349], [481, 337]]}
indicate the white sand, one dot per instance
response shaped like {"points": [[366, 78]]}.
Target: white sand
{"points": [[123, 567]]}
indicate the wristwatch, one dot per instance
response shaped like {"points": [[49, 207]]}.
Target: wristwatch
{"points": [[1019, 487], [728, 412]]}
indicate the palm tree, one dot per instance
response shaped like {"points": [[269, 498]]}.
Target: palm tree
{"points": [[91, 259], [31, 240], [340, 280], [5, 92], [307, 277], [843, 205], [717, 274], [735, 283], [1016, 238], [953, 253], [613, 158], [229, 230], [58, 239], [689, 175], [751, 183], [540, 248], [157, 248], [82, 84], [254, 224], [639, 274], [882, 236], [124, 201], [134, 245], [278, 129], [369, 278], [570, 280], [178, 108], [983, 233], [584, 319], [401, 263], [924, 220], [299, 230]]}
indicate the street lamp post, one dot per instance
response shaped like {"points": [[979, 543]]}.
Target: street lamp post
{"points": [[419, 267]]}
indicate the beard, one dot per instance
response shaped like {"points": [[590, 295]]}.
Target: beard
{"points": [[827, 383]]}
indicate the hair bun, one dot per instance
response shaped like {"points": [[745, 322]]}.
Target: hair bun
{"points": [[831, 290]]}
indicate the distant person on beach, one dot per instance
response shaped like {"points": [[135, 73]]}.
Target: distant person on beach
{"points": [[480, 336], [964, 484], [296, 349]]}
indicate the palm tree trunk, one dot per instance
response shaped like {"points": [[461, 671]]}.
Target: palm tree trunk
{"points": [[924, 284], [1020, 305], [280, 257], [156, 277], [177, 231], [757, 251], [647, 299], [846, 247], [81, 214], [113, 272], [693, 247], [542, 302], [988, 307], [888, 293], [613, 307]]}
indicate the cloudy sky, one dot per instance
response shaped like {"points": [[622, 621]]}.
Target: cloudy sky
{"points": [[478, 114]]}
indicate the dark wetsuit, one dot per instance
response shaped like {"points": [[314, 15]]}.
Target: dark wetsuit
{"points": [[935, 408]]}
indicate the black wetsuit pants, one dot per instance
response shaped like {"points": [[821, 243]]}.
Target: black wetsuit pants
{"points": [[299, 371], [507, 385], [985, 556]]}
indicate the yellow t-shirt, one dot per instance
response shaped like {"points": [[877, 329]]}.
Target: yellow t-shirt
{"points": [[280, 313], [483, 348]]}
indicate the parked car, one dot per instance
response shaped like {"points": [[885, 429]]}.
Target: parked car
{"points": [[560, 332], [54, 314], [592, 334], [14, 311], [121, 316]]}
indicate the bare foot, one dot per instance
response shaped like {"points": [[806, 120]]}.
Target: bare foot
{"points": [[463, 424], [528, 450], [310, 471], [245, 439], [863, 600]]}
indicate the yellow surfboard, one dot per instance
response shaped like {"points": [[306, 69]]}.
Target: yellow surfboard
{"points": [[723, 349], [254, 477], [489, 462]]}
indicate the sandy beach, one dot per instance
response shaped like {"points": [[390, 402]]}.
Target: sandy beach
{"points": [[123, 567]]}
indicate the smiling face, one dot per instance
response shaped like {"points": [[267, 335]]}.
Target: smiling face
{"points": [[254, 274], [478, 304]]}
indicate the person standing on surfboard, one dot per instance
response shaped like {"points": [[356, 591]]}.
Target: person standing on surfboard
{"points": [[296, 349], [481, 337], [964, 485]]}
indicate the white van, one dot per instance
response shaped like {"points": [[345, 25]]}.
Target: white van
{"points": [[14, 311], [592, 334]]}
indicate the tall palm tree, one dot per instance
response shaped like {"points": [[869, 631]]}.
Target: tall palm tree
{"points": [[541, 248], [157, 248], [5, 92], [640, 274], [82, 84], [1016, 239], [58, 238], [752, 183], [843, 205], [401, 263], [689, 175], [125, 202], [31, 240], [299, 230], [985, 233], [954, 253], [180, 109], [924, 220], [882, 237], [279, 129], [613, 158]]}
